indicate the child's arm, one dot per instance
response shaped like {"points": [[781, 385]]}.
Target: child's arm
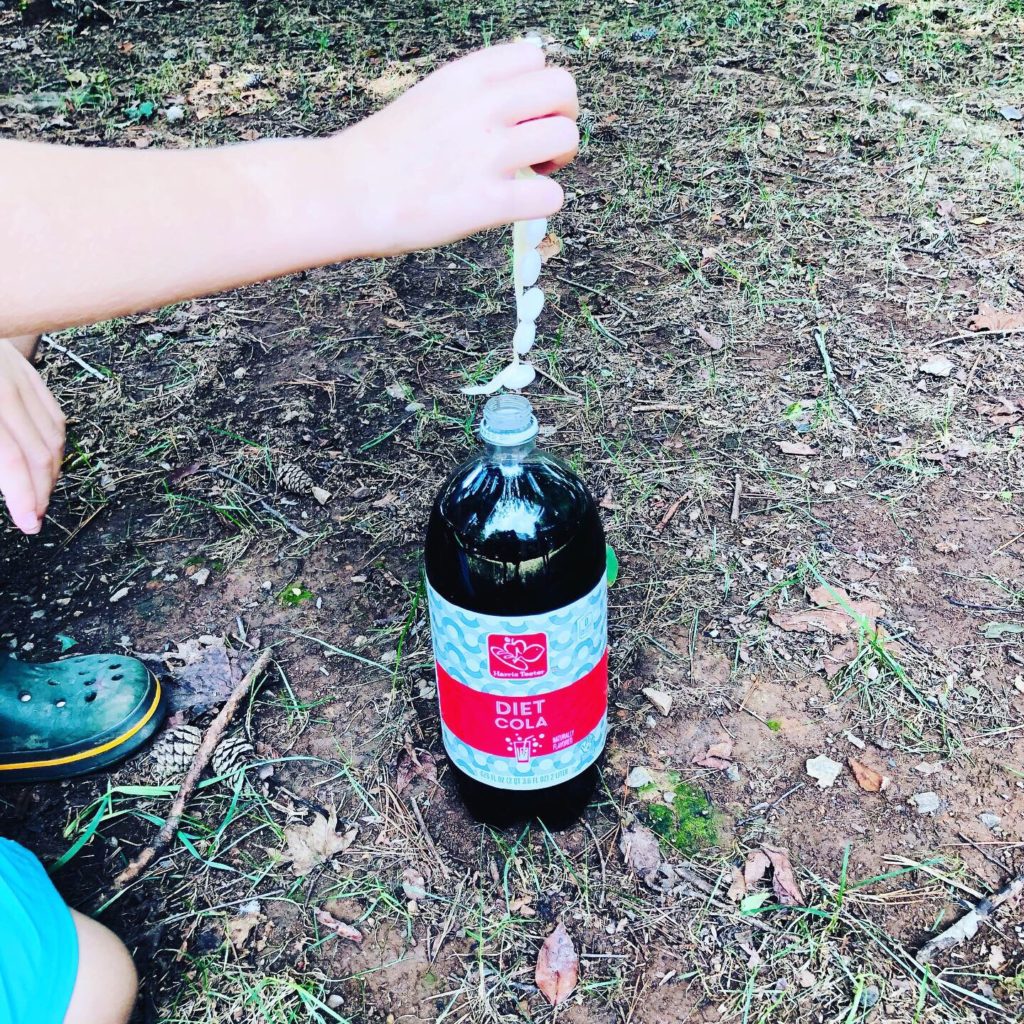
{"points": [[93, 233]]}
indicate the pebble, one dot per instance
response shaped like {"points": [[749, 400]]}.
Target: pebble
{"points": [[638, 778], [989, 820], [174, 113], [20, 45], [825, 770], [123, 592], [926, 803], [200, 576]]}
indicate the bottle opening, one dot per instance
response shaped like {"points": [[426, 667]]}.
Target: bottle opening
{"points": [[508, 421]]}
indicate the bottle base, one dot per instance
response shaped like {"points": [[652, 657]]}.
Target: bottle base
{"points": [[557, 808]]}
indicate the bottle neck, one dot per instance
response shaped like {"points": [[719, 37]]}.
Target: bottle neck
{"points": [[509, 452]]}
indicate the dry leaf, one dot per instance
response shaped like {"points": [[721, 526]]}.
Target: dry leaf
{"points": [[414, 764], [988, 318], [557, 966], [640, 849], [784, 882], [1003, 412], [344, 931], [738, 886], [239, 928], [796, 448], [550, 246], [946, 547], [944, 207], [713, 341], [810, 620], [203, 671], [413, 884], [755, 868], [311, 845], [836, 597], [937, 366], [718, 755], [772, 131], [839, 658], [867, 778]]}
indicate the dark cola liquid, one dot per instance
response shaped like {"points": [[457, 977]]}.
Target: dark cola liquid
{"points": [[547, 551]]}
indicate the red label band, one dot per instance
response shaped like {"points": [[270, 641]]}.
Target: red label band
{"points": [[527, 726]]}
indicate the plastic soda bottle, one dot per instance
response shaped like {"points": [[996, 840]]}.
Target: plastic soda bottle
{"points": [[515, 568]]}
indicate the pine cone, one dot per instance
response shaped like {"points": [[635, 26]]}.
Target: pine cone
{"points": [[232, 756], [292, 477], [175, 751]]}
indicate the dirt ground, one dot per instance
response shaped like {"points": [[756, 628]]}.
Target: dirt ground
{"points": [[759, 352]]}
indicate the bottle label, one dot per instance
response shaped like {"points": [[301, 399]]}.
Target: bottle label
{"points": [[524, 699]]}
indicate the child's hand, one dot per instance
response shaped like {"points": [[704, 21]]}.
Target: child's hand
{"points": [[439, 163], [31, 439]]}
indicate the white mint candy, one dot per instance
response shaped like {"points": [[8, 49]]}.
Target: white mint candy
{"points": [[529, 268], [534, 231], [515, 376], [525, 336], [529, 304]]}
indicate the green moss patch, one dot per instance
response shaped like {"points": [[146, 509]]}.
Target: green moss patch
{"points": [[689, 824]]}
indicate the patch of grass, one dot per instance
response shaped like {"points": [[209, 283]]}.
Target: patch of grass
{"points": [[774, 724], [689, 824]]}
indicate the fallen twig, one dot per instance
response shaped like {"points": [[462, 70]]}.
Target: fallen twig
{"points": [[91, 370], [967, 927], [428, 839], [210, 740], [667, 517], [737, 491], [265, 505], [830, 376]]}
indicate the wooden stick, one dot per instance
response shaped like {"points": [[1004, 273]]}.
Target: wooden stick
{"points": [[667, 517], [91, 370], [967, 927], [188, 785], [737, 490]]}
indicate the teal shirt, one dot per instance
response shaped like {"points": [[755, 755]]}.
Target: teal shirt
{"points": [[38, 942]]}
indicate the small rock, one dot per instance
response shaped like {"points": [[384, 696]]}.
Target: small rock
{"points": [[870, 996], [928, 767], [825, 770], [1012, 113], [926, 803], [733, 774], [174, 113], [170, 53], [334, 1001], [321, 495], [829, 488], [892, 76], [19, 45], [638, 778], [989, 820], [415, 407], [661, 700], [200, 576], [123, 592]]}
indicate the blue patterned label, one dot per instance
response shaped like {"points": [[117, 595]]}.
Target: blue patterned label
{"points": [[524, 699]]}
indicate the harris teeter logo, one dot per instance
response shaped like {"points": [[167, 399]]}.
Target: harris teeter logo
{"points": [[518, 657]]}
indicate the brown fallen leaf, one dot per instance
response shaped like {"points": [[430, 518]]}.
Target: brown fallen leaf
{"points": [[239, 928], [796, 448], [1004, 411], [550, 246], [811, 620], [867, 778], [311, 845], [640, 849], [557, 966], [839, 658], [342, 930], [718, 755], [755, 867], [203, 671], [988, 318], [737, 887], [836, 597], [412, 765], [713, 341], [784, 882]]}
